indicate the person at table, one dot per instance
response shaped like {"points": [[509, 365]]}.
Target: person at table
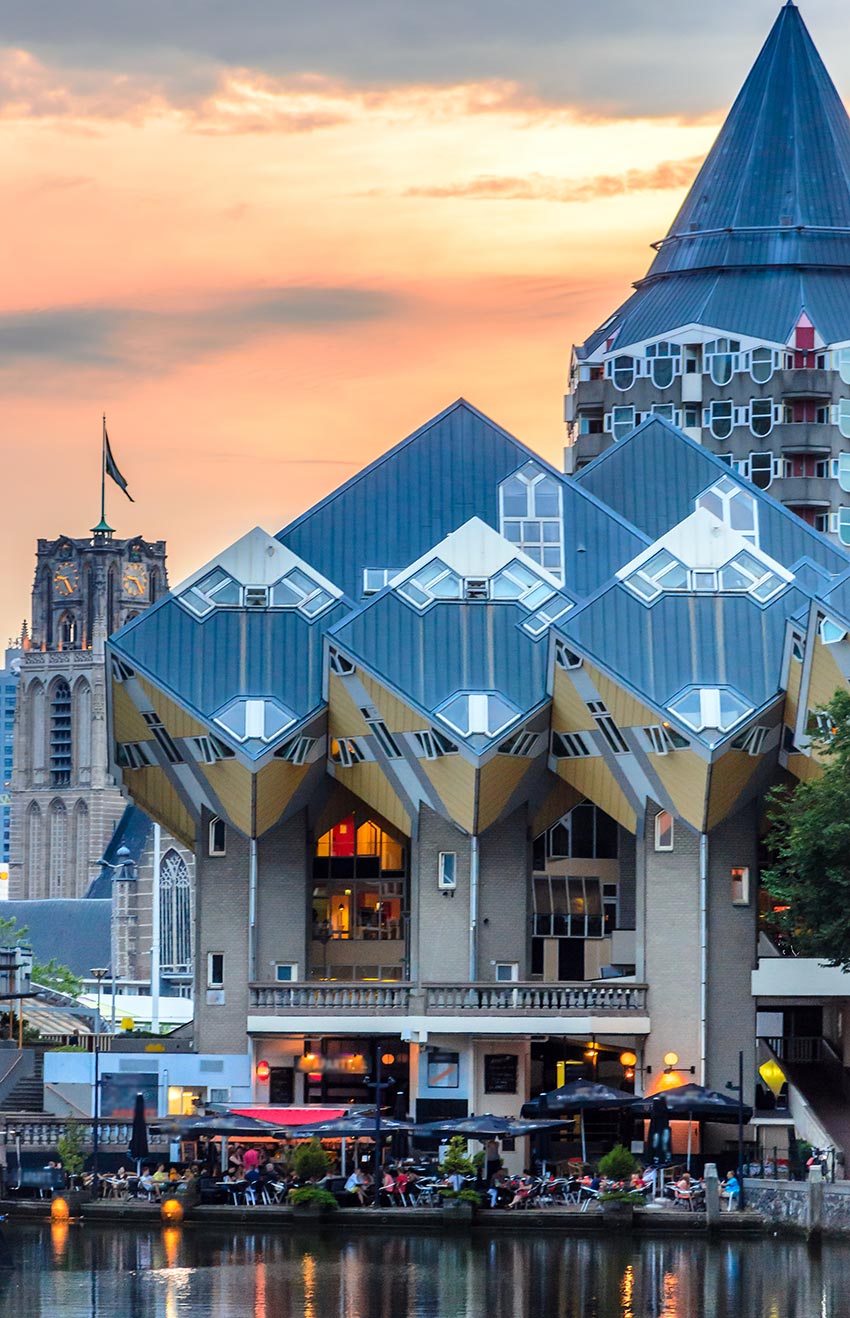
{"points": [[731, 1189], [147, 1184], [499, 1192], [357, 1184], [160, 1176]]}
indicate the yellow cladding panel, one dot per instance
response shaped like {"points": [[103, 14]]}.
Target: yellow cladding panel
{"points": [[454, 780], [232, 784], [729, 776], [395, 713], [825, 678], [804, 767], [685, 776], [792, 695], [497, 782], [569, 712], [175, 718], [625, 710], [152, 792], [561, 798], [277, 783], [593, 779], [369, 782], [127, 722], [344, 718]]}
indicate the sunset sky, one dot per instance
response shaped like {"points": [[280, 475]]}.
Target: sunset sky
{"points": [[269, 239]]}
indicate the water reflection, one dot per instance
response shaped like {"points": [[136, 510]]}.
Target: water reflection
{"points": [[89, 1272]]}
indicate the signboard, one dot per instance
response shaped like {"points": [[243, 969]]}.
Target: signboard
{"points": [[118, 1094], [500, 1073], [443, 1070]]}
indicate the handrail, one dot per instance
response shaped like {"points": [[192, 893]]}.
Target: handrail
{"points": [[521, 998]]}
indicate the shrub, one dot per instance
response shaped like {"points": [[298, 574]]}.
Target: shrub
{"points": [[69, 1148], [619, 1164], [633, 1197], [312, 1194], [456, 1159], [310, 1162]]}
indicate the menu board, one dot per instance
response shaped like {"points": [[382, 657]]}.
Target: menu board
{"points": [[500, 1073]]}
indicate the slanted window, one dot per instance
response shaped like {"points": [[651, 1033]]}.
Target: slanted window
{"points": [[565, 657], [664, 831], [762, 364], [745, 572], [830, 632], [217, 837], [734, 505], [609, 729], [521, 743], [542, 620], [435, 581], [710, 707], [721, 359], [381, 733], [375, 578], [665, 363], [518, 582], [569, 746], [661, 572], [122, 672], [478, 713], [209, 750], [215, 590], [347, 751], [741, 886], [761, 416], [720, 418], [662, 739], [622, 372], [752, 741], [296, 751], [133, 755], [249, 719], [531, 516], [162, 737], [339, 664], [433, 745]]}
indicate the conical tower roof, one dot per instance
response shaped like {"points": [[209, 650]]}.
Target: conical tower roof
{"points": [[764, 232], [775, 188]]}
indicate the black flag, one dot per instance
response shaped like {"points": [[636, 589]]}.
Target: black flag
{"points": [[111, 468]]}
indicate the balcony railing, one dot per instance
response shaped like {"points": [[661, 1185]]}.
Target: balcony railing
{"points": [[533, 999], [515, 999], [44, 1132]]}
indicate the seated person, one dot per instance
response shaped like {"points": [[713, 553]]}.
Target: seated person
{"points": [[731, 1189], [499, 1191], [357, 1184], [147, 1184], [160, 1176]]}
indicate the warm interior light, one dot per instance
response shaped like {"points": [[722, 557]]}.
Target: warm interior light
{"points": [[263, 1071], [388, 1059], [628, 1059], [671, 1059]]}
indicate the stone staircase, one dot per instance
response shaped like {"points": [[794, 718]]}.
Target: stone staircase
{"points": [[27, 1094]]}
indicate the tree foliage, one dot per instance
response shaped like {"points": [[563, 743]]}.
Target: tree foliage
{"points": [[47, 974], [310, 1162], [809, 878]]}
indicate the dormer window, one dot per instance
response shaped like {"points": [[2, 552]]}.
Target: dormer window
{"points": [[721, 359], [249, 719], [216, 590], [733, 505], [710, 707], [478, 713]]}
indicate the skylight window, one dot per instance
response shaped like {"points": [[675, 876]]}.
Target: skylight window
{"points": [[434, 581], [531, 516], [216, 590], [517, 582], [710, 707], [295, 590], [478, 713], [543, 619], [733, 505], [830, 632], [249, 719]]}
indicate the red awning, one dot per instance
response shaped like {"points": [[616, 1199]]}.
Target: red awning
{"points": [[292, 1116]]}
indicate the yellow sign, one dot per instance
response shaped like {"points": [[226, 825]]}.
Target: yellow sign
{"points": [[127, 1023], [773, 1076], [154, 1047]]}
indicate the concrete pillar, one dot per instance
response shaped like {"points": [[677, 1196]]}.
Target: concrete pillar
{"points": [[814, 1221], [712, 1194]]}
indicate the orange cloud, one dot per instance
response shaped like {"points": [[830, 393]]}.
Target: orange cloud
{"points": [[539, 187]]}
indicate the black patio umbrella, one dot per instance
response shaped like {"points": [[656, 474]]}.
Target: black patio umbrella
{"points": [[139, 1136], [693, 1102], [578, 1096], [222, 1123], [657, 1147], [357, 1124], [486, 1127]]}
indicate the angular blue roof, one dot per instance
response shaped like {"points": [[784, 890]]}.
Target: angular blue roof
{"points": [[764, 232], [396, 509], [654, 475], [450, 647]]}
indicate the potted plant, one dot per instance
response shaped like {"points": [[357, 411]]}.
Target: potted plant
{"points": [[310, 1162], [618, 1206], [312, 1201], [462, 1202], [70, 1150]]}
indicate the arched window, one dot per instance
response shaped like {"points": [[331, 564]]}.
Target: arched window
{"points": [[32, 718], [82, 726], [154, 585], [81, 849], [68, 638], [35, 846], [530, 516], [664, 359], [623, 372], [175, 939], [58, 849], [60, 734]]}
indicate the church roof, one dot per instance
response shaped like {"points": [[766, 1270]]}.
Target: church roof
{"points": [[764, 232]]}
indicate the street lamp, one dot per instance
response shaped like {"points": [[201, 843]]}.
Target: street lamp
{"points": [[99, 973]]}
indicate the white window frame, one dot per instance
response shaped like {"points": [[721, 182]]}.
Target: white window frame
{"points": [[752, 741], [570, 746], [429, 744], [611, 733], [213, 849], [287, 966], [727, 491], [347, 751], [717, 349], [297, 751], [713, 417], [740, 875], [661, 828], [134, 755], [512, 968], [774, 361], [447, 871], [761, 434], [673, 352], [513, 527], [376, 578], [565, 658], [619, 426], [710, 716], [522, 744], [214, 981], [611, 371]]}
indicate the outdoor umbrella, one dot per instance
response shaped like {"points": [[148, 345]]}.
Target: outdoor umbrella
{"points": [[696, 1103], [139, 1137], [357, 1124], [578, 1096], [658, 1136], [486, 1127], [222, 1124]]}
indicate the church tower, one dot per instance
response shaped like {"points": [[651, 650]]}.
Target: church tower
{"points": [[739, 333], [65, 805]]}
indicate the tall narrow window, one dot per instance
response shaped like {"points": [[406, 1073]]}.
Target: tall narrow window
{"points": [[215, 969], [664, 831], [623, 372], [175, 914], [81, 849], [35, 858], [58, 849], [740, 886], [531, 516], [218, 837], [60, 734]]}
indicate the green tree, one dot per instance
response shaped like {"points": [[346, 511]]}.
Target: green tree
{"points": [[457, 1159], [310, 1162], [618, 1164], [809, 839], [70, 1149], [47, 974]]}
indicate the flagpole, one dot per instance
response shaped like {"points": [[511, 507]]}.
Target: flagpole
{"points": [[103, 473]]}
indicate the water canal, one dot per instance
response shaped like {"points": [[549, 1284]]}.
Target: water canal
{"points": [[74, 1271]]}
